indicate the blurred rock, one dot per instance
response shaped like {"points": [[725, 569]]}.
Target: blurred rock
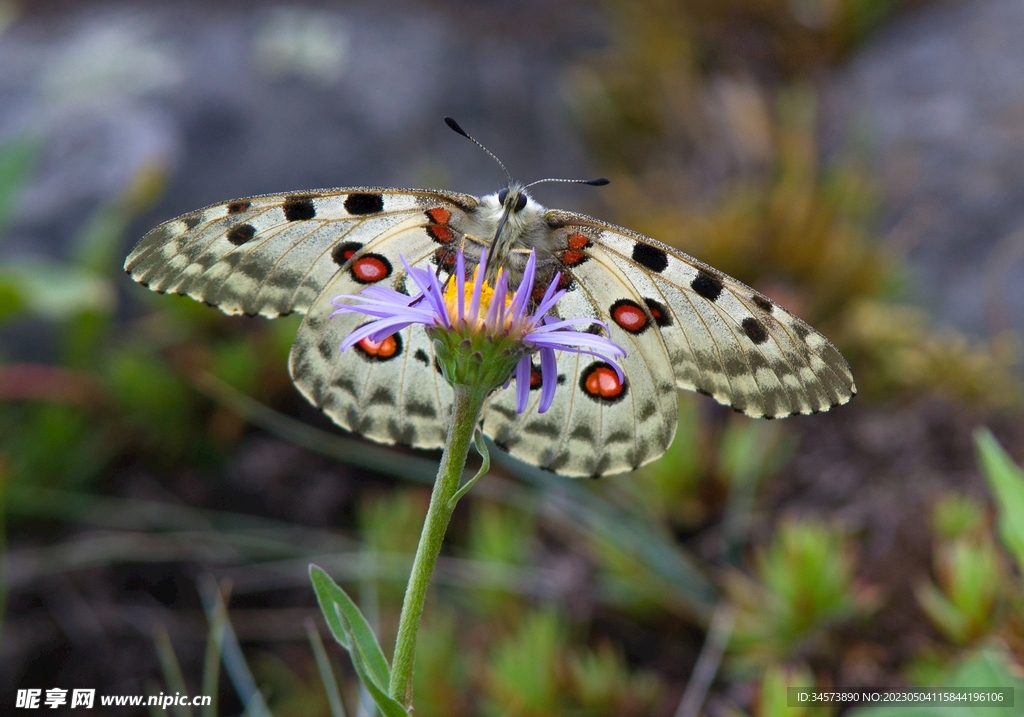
{"points": [[234, 101], [939, 96]]}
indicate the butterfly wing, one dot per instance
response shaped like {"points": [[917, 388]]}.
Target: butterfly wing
{"points": [[274, 254], [723, 338], [596, 424]]}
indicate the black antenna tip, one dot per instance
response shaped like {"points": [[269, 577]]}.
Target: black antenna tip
{"points": [[599, 182], [455, 126]]}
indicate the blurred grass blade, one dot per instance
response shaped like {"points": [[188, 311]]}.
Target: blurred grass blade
{"points": [[1006, 480], [351, 451], [56, 291], [170, 668], [214, 645], [231, 652], [708, 661], [581, 508], [323, 665], [743, 453], [153, 690]]}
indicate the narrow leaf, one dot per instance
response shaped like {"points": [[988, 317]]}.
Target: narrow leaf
{"points": [[323, 665], [349, 627], [388, 706]]}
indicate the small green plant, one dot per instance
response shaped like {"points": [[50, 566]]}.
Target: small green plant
{"points": [[991, 667], [604, 686], [525, 676], [804, 585], [970, 580]]}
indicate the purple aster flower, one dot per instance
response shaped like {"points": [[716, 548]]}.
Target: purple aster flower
{"points": [[481, 334]]}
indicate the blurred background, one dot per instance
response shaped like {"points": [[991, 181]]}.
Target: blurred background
{"points": [[164, 487]]}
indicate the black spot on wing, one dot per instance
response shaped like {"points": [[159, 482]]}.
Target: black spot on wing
{"points": [[402, 435], [425, 410], [583, 432], [241, 234], [754, 330], [299, 208], [365, 203], [546, 430], [652, 257], [508, 413], [238, 207], [382, 396], [763, 303], [661, 314], [422, 357], [193, 220], [708, 286], [347, 385], [344, 251]]}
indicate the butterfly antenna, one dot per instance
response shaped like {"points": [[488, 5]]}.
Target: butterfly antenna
{"points": [[597, 182], [455, 126]]}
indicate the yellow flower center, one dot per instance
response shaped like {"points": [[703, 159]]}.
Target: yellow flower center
{"points": [[451, 301]]}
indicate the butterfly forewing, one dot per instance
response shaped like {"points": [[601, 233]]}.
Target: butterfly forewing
{"points": [[723, 338]]}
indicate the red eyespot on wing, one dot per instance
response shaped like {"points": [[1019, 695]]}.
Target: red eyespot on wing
{"points": [[439, 215], [370, 269], [535, 378], [573, 257], [629, 315], [345, 251], [600, 382], [386, 348], [578, 241], [440, 233], [445, 258]]}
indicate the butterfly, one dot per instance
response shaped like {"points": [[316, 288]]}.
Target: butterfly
{"points": [[682, 323]]}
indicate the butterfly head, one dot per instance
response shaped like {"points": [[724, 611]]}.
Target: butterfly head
{"points": [[511, 219]]}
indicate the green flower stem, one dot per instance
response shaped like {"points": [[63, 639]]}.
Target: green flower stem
{"points": [[469, 401]]}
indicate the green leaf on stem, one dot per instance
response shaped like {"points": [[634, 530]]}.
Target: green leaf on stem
{"points": [[353, 632]]}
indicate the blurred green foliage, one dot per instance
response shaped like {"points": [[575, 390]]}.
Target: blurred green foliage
{"points": [[990, 667], [803, 585]]}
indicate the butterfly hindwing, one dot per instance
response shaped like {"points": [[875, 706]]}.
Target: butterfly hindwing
{"points": [[595, 425], [391, 392], [723, 338], [274, 254]]}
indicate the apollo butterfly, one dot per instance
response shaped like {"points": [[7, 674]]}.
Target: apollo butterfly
{"points": [[682, 323]]}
